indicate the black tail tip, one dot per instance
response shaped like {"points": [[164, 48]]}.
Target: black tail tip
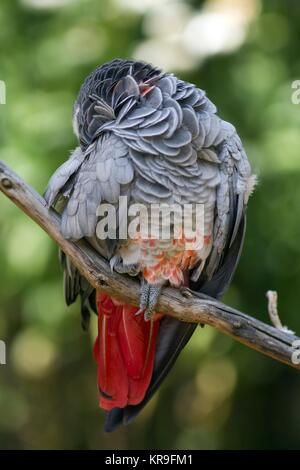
{"points": [[113, 419]]}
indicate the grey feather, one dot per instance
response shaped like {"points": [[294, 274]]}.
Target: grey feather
{"points": [[156, 129], [168, 85], [141, 112], [162, 147], [173, 121], [155, 118], [190, 121], [154, 98], [103, 169], [60, 178], [180, 138]]}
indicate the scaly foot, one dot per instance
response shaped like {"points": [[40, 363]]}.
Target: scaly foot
{"points": [[149, 295]]}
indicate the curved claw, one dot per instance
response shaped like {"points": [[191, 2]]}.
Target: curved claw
{"points": [[116, 264], [140, 310], [113, 262]]}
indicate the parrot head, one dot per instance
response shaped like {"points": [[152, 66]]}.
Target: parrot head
{"points": [[104, 93]]}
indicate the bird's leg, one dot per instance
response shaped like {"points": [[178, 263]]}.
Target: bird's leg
{"points": [[149, 295], [154, 294], [116, 264]]}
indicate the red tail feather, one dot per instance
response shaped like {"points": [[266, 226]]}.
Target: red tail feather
{"points": [[124, 351]]}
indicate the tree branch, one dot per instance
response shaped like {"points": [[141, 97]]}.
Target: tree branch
{"points": [[182, 304]]}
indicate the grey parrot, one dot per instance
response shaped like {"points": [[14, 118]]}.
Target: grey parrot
{"points": [[151, 138]]}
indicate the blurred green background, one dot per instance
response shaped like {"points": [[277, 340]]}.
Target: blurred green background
{"points": [[220, 395]]}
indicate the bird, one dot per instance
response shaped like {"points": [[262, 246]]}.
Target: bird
{"points": [[149, 137]]}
